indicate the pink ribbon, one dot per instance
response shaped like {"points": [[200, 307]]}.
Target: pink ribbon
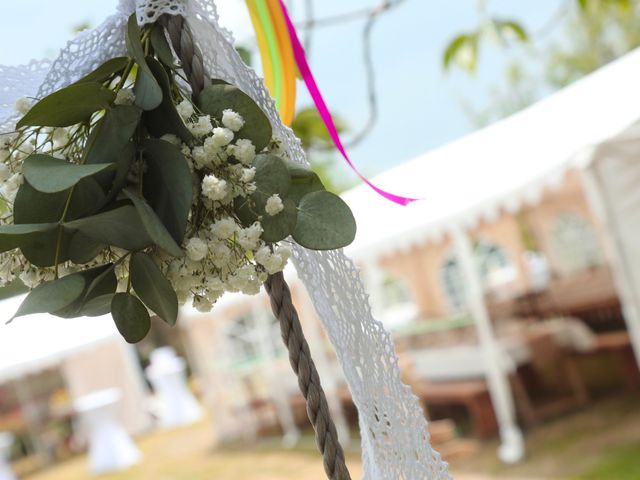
{"points": [[314, 91]]}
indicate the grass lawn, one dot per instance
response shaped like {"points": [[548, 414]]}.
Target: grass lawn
{"points": [[600, 442]]}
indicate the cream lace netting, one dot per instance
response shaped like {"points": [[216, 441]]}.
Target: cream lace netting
{"points": [[395, 439]]}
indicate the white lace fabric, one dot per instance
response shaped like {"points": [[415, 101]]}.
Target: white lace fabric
{"points": [[395, 438]]}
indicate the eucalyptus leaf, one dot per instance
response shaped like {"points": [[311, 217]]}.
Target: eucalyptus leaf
{"points": [[281, 225], [130, 316], [272, 175], [153, 225], [48, 174], [112, 134], [216, 98], [124, 161], [153, 288], [165, 119], [303, 180], [161, 46], [14, 236], [167, 185], [120, 227], [98, 306], [68, 106], [83, 249], [146, 89], [97, 281], [325, 222], [105, 71], [52, 296]]}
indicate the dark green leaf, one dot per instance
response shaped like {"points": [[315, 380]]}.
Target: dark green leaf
{"points": [[97, 281], [83, 249], [161, 46], [48, 174], [281, 225], [153, 225], [105, 71], [73, 104], [272, 175], [120, 227], [167, 186], [147, 91], [112, 134], [131, 317], [216, 98], [165, 118], [14, 236], [153, 288], [52, 296], [98, 306], [303, 181], [124, 161], [325, 222]]}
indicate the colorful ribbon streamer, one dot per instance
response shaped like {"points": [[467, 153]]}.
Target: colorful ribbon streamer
{"points": [[280, 47]]}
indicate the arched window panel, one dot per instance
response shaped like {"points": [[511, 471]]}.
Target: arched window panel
{"points": [[575, 244]]}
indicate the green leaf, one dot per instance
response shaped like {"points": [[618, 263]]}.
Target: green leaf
{"points": [[272, 175], [83, 249], [52, 296], [325, 222], [463, 49], [147, 91], [68, 106], [130, 316], [167, 186], [120, 227], [97, 281], [32, 206], [105, 71], [507, 28], [153, 288], [124, 162], [112, 134], [303, 181], [216, 98], [98, 306], [161, 46], [48, 174], [281, 225], [165, 118], [14, 236], [153, 225]]}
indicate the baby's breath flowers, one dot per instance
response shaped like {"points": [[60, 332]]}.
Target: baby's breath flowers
{"points": [[135, 197]]}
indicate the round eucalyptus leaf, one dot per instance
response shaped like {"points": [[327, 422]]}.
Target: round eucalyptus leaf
{"points": [[83, 249], [281, 225], [325, 222], [53, 295], [216, 98], [153, 288], [130, 316], [271, 176], [98, 306], [98, 281]]}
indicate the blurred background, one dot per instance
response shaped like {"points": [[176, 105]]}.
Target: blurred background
{"points": [[511, 289]]}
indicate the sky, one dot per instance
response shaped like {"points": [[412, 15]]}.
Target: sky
{"points": [[420, 106]]}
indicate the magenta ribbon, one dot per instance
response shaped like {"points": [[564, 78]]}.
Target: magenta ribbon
{"points": [[321, 106]]}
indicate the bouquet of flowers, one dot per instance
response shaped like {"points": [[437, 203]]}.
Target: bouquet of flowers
{"points": [[122, 194]]}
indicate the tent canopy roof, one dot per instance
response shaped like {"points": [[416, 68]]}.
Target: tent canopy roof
{"points": [[39, 341], [499, 167]]}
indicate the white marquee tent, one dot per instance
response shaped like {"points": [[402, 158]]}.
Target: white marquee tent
{"points": [[507, 165], [89, 351]]}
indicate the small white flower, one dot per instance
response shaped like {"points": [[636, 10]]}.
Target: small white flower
{"points": [[244, 151], [274, 205], [125, 96], [23, 105], [199, 157], [248, 238], [202, 127], [196, 249], [221, 136], [214, 188], [232, 120], [248, 174], [201, 304], [185, 109], [5, 172], [30, 278], [224, 228]]}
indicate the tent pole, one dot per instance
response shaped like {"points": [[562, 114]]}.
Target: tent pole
{"points": [[623, 279], [511, 448]]}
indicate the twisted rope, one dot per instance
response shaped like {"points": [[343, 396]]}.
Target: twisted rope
{"points": [[187, 51], [308, 378], [277, 288]]}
